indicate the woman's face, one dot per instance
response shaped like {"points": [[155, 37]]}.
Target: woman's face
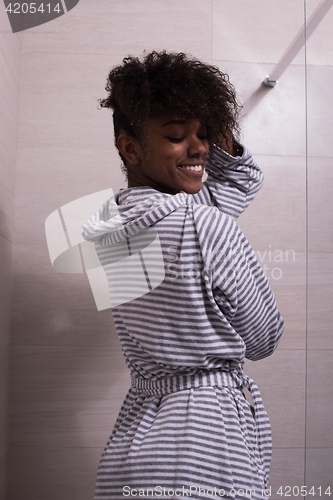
{"points": [[172, 157]]}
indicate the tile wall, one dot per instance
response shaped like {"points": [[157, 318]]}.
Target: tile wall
{"points": [[68, 378], [319, 463], [10, 62]]}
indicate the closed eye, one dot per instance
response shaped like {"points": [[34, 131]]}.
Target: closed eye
{"points": [[176, 139], [180, 139]]}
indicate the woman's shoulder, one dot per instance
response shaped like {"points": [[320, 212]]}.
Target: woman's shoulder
{"points": [[212, 214]]}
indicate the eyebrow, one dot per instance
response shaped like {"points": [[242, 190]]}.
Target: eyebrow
{"points": [[175, 122]]}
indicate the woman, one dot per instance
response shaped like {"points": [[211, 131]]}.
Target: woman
{"points": [[185, 428]]}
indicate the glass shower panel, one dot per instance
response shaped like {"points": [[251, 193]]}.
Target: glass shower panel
{"points": [[274, 129], [319, 401]]}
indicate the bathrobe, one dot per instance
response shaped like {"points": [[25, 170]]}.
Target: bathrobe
{"points": [[185, 428]]}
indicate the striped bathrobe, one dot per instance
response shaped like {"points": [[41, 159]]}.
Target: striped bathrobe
{"points": [[185, 428]]}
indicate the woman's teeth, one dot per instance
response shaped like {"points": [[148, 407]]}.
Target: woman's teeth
{"points": [[195, 168]]}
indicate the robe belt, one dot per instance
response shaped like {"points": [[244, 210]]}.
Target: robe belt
{"points": [[216, 378]]}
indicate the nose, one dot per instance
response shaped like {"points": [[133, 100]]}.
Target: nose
{"points": [[197, 146]]}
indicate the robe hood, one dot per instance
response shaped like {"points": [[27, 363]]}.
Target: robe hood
{"points": [[129, 213]]}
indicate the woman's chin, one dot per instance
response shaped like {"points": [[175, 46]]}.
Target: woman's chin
{"points": [[194, 189]]}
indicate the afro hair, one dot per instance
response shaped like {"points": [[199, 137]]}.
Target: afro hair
{"points": [[170, 82]]}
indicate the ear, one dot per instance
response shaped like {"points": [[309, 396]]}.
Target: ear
{"points": [[130, 148]]}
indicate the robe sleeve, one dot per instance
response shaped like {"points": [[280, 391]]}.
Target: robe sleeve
{"points": [[237, 285], [232, 182], [257, 319]]}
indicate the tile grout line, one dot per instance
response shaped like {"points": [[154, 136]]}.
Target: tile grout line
{"points": [[306, 241]]}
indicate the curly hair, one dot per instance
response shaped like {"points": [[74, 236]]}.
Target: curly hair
{"points": [[164, 82]]}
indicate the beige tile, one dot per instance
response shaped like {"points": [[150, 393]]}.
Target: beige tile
{"points": [[51, 290], [4, 382], [32, 260], [3, 481], [275, 220], [59, 325], [7, 207], [7, 179], [65, 423], [320, 204], [319, 399], [287, 469], [10, 62], [247, 78], [4, 22], [320, 268], [281, 380], [64, 397], [10, 50], [319, 100], [13, 40], [48, 178], [9, 97], [319, 471], [5, 290], [4, 387], [320, 316], [273, 120], [41, 473], [44, 374], [127, 27], [282, 267], [319, 45], [53, 308], [257, 32], [19, 37], [254, 31], [291, 302], [8, 146], [59, 100]]}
